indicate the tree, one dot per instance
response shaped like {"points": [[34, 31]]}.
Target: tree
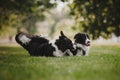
{"points": [[22, 13], [100, 18]]}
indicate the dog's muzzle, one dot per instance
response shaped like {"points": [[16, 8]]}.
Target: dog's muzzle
{"points": [[88, 43]]}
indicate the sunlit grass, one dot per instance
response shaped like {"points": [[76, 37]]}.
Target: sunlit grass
{"points": [[103, 63]]}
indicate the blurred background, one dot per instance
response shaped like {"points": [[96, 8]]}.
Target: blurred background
{"points": [[100, 19]]}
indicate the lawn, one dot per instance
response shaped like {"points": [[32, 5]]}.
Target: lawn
{"points": [[103, 63]]}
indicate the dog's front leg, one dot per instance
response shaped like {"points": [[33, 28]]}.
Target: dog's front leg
{"points": [[69, 52], [65, 52]]}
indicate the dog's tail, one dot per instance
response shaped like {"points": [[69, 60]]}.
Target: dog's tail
{"points": [[62, 34]]}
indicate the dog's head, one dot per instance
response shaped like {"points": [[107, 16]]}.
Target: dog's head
{"points": [[27, 41], [82, 38], [64, 43]]}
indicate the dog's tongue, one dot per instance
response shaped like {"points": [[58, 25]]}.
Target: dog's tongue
{"points": [[88, 44]]}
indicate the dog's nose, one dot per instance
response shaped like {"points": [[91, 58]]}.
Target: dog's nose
{"points": [[88, 41]]}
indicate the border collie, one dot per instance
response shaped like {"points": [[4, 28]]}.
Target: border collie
{"points": [[81, 44], [40, 46]]}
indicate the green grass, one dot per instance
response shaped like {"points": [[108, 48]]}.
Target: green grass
{"points": [[103, 63]]}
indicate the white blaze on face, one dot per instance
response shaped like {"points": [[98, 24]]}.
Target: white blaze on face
{"points": [[24, 39], [87, 40]]}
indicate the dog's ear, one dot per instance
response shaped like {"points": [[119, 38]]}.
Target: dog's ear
{"points": [[62, 34], [76, 36]]}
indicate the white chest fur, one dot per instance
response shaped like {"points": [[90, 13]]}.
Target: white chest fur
{"points": [[83, 47]]}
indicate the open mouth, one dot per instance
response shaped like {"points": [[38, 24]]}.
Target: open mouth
{"points": [[88, 44]]}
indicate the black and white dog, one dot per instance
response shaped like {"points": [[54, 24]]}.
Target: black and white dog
{"points": [[81, 44], [40, 46]]}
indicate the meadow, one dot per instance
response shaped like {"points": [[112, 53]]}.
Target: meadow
{"points": [[103, 63]]}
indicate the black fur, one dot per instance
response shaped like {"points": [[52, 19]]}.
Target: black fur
{"points": [[81, 38], [64, 43], [39, 46], [82, 44], [35, 40], [75, 50]]}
